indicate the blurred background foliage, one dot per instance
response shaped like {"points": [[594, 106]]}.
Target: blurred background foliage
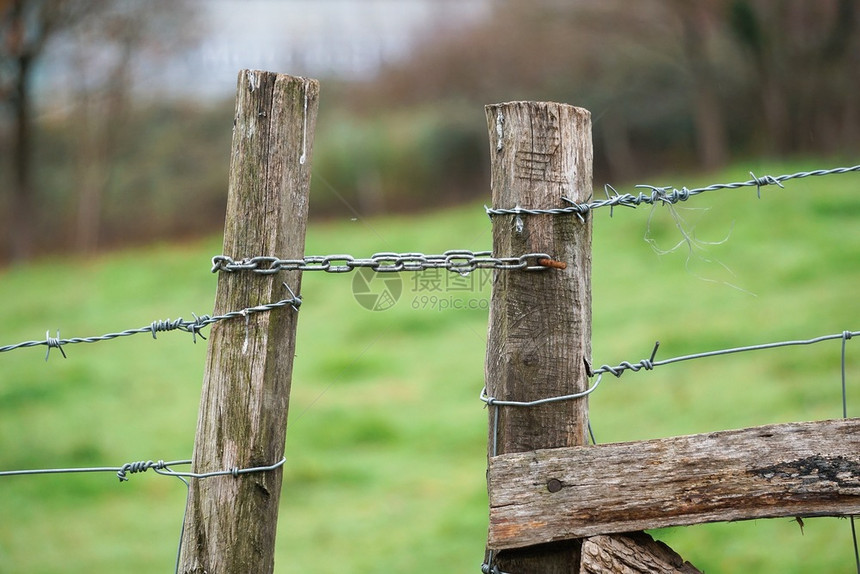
{"points": [[670, 84]]}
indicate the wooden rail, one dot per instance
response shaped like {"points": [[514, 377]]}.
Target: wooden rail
{"points": [[794, 469]]}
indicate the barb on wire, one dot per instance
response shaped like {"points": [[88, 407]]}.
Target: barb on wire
{"points": [[160, 467], [667, 195], [194, 327], [460, 261]]}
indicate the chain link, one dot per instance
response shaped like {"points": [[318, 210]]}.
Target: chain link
{"points": [[457, 261]]}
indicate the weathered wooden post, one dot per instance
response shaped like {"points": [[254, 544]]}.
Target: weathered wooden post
{"points": [[539, 340], [540, 323], [231, 520], [540, 334]]}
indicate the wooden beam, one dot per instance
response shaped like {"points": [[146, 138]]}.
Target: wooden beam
{"points": [[540, 322], [231, 520], [793, 469]]}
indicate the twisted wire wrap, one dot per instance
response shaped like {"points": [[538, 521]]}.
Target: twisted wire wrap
{"points": [[53, 343], [139, 466], [167, 325], [625, 365]]}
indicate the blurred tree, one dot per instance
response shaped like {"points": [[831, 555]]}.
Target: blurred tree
{"points": [[624, 61], [661, 77], [26, 26], [102, 57], [669, 83], [801, 53], [700, 20], [100, 103], [749, 29], [101, 38]]}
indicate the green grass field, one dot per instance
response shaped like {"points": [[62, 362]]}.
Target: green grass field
{"points": [[386, 442]]}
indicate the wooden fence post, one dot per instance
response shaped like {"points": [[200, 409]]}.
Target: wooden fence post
{"points": [[540, 326], [540, 322], [231, 520]]}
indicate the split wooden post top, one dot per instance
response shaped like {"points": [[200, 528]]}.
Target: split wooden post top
{"points": [[540, 322]]}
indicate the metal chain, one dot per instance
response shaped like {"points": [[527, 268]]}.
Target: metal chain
{"points": [[457, 261]]}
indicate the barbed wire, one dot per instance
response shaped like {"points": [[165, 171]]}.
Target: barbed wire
{"points": [[666, 195], [160, 467], [650, 363], [460, 261], [194, 327]]}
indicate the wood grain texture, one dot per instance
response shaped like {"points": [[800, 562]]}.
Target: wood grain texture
{"points": [[540, 322], [784, 470], [231, 521], [635, 553]]}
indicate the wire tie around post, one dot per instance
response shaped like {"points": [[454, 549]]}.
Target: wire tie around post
{"points": [[580, 210], [139, 466]]}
